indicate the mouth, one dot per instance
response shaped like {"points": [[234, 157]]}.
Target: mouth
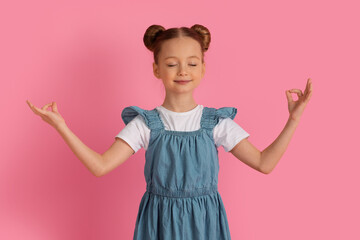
{"points": [[182, 81]]}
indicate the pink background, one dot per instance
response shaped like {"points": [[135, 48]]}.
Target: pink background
{"points": [[89, 57]]}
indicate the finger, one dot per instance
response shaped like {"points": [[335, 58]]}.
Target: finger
{"points": [[54, 107], [32, 107], [306, 87], [309, 88], [288, 96], [297, 91], [307, 98], [300, 94], [38, 111], [309, 95], [46, 106], [29, 103], [307, 83]]}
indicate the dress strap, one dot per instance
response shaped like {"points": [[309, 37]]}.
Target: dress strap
{"points": [[151, 117], [211, 116]]}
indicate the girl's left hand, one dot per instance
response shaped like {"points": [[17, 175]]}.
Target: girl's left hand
{"points": [[296, 108]]}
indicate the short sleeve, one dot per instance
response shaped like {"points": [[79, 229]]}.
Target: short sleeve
{"points": [[129, 113], [227, 132], [134, 133], [226, 112]]}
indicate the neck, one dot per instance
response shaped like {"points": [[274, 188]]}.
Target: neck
{"points": [[179, 103]]}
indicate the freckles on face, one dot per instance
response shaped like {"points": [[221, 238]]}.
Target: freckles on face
{"points": [[180, 59]]}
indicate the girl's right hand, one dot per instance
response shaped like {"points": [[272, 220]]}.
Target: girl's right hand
{"points": [[52, 117]]}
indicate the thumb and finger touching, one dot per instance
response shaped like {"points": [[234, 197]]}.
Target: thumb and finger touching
{"points": [[54, 107], [44, 108], [39, 111], [289, 96], [53, 117], [302, 97]]}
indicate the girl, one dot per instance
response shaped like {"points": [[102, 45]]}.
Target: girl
{"points": [[181, 138]]}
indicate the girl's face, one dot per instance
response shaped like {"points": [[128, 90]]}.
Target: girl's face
{"points": [[180, 59]]}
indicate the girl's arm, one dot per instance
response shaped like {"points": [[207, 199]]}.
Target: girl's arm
{"points": [[92, 160], [272, 154], [96, 163], [266, 160]]}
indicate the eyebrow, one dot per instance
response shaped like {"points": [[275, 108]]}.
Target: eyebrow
{"points": [[188, 57]]}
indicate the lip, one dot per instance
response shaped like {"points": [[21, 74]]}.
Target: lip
{"points": [[182, 81]]}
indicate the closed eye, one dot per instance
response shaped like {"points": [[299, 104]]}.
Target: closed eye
{"points": [[193, 65]]}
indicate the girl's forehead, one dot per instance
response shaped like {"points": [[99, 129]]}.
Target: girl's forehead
{"points": [[183, 43], [174, 56], [180, 49]]}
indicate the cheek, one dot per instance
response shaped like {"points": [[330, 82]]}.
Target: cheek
{"points": [[169, 75], [198, 72], [170, 72]]}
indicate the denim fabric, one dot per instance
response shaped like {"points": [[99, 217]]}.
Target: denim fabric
{"points": [[181, 201]]}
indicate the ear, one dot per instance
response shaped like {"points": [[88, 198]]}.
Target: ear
{"points": [[156, 70], [203, 70]]}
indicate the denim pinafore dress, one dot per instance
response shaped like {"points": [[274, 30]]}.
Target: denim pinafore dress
{"points": [[181, 201]]}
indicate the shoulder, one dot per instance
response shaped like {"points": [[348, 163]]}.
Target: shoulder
{"points": [[131, 112], [226, 112], [219, 113]]}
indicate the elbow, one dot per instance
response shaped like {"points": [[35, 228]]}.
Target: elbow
{"points": [[99, 172], [263, 169]]}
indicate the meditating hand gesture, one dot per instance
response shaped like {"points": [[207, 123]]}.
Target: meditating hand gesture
{"points": [[296, 108], [52, 117]]}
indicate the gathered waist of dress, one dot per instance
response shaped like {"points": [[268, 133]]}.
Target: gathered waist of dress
{"points": [[182, 193]]}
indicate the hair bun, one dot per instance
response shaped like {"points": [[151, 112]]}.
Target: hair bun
{"points": [[204, 33], [151, 34]]}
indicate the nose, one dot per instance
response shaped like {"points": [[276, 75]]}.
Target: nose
{"points": [[182, 70]]}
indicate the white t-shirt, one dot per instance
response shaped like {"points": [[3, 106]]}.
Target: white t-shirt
{"points": [[227, 133]]}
